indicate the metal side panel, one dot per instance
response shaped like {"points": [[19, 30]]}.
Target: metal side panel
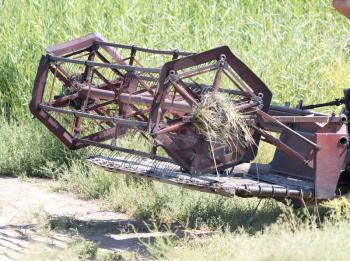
{"points": [[245, 181]]}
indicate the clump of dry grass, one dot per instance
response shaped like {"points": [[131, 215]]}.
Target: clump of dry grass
{"points": [[338, 209], [219, 120]]}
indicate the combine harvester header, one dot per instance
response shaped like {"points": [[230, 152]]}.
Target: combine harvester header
{"points": [[93, 93]]}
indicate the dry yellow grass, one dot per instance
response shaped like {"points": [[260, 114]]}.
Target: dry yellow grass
{"points": [[218, 119]]}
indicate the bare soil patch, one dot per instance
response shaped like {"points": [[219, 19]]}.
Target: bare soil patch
{"points": [[21, 234]]}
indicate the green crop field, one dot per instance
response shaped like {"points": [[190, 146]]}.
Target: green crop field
{"points": [[299, 48]]}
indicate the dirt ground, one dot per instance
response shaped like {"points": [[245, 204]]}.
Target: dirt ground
{"points": [[21, 234]]}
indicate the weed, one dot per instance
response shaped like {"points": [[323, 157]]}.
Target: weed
{"points": [[28, 150], [85, 249]]}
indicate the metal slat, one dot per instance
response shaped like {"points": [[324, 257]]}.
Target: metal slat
{"points": [[229, 186], [143, 49], [130, 123], [107, 65]]}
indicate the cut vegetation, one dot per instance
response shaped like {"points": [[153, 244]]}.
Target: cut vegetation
{"points": [[219, 120]]}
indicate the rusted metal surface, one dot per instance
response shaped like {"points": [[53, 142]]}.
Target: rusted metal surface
{"points": [[91, 93], [228, 185], [195, 157]]}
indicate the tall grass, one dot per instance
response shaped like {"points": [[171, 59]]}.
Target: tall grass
{"points": [[296, 235], [278, 243], [295, 46], [26, 149], [165, 203]]}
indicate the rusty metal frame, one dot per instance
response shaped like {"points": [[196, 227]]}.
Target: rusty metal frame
{"points": [[312, 147], [90, 44]]}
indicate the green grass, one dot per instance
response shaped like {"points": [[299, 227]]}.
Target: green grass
{"points": [[165, 203], [27, 149], [328, 243], [295, 46], [299, 48], [295, 235]]}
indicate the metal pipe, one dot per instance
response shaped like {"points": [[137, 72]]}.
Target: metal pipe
{"points": [[198, 71], [172, 128], [276, 110], [183, 92], [144, 99], [147, 99], [297, 119], [266, 116]]}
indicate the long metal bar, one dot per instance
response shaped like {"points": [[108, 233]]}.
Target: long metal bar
{"points": [[277, 110], [61, 75], [87, 77], [280, 145], [99, 105], [134, 113], [271, 119], [198, 71], [63, 100], [107, 65], [238, 82], [142, 115], [136, 99], [53, 84], [183, 92], [105, 60], [153, 87], [129, 123], [145, 85], [171, 128], [148, 99], [234, 92], [143, 49], [217, 80], [104, 79], [150, 75], [336, 102], [125, 150], [296, 119]]}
